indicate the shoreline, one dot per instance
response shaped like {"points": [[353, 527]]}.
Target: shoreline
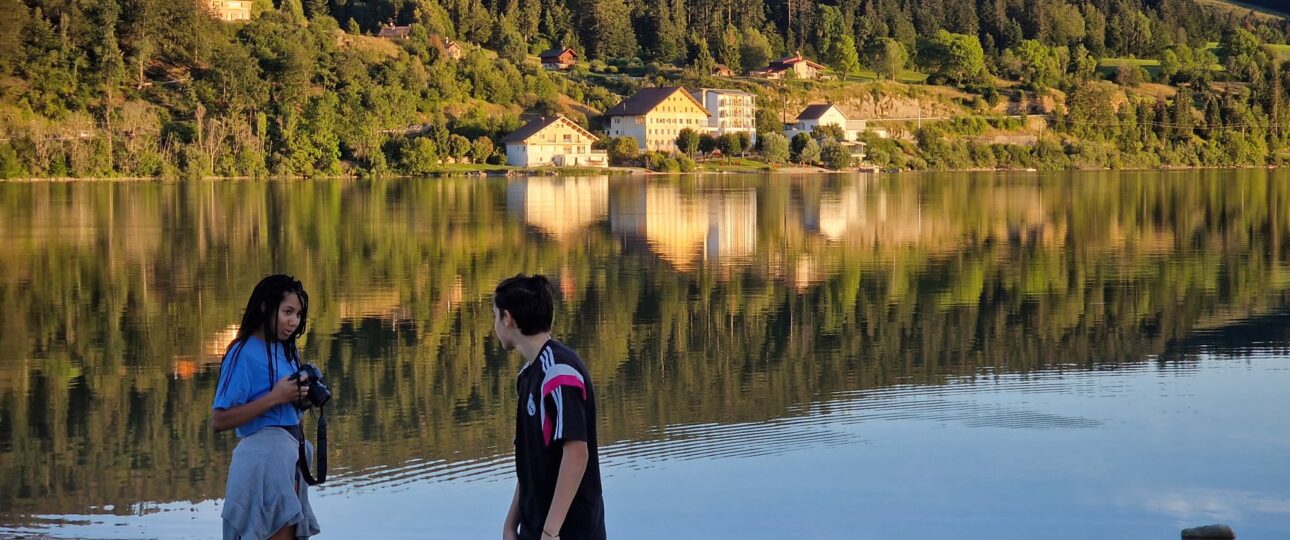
{"points": [[608, 171]]}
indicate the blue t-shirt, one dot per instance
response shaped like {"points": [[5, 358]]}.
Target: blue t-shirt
{"points": [[244, 377]]}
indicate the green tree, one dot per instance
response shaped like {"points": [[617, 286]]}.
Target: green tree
{"points": [[1170, 65], [774, 148], [728, 47], [843, 57], [458, 147], [888, 58], [707, 143], [610, 33], [954, 57], [756, 51], [797, 145], [668, 43], [481, 149], [622, 150], [419, 157], [1040, 66], [688, 141], [729, 144], [510, 43], [810, 152], [835, 156]]}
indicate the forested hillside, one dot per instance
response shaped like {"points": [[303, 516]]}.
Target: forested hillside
{"points": [[94, 88]]}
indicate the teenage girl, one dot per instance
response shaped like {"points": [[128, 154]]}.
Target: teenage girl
{"points": [[265, 497]]}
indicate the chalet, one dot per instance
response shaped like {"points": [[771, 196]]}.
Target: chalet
{"points": [[655, 116], [449, 47], [395, 33], [559, 58], [230, 10], [800, 67], [822, 114], [553, 140], [720, 70]]}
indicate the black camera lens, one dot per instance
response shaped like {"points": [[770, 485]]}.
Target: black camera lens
{"points": [[318, 394]]}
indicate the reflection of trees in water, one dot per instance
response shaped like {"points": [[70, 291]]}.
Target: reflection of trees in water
{"points": [[118, 297]]}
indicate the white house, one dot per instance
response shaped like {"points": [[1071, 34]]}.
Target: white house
{"points": [[823, 114], [554, 140], [732, 111]]}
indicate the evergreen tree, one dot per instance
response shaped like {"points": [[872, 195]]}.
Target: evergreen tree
{"points": [[668, 44], [888, 58], [728, 47], [610, 33], [756, 52], [843, 57], [1181, 115]]}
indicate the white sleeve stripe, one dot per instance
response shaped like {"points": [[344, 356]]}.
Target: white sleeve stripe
{"points": [[559, 413]]}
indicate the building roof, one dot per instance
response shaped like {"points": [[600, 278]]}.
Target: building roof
{"points": [[787, 61], [726, 91], [537, 125], [391, 31], [647, 99], [444, 43], [556, 52], [816, 111]]}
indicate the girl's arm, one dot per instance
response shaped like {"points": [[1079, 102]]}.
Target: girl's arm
{"points": [[285, 391]]}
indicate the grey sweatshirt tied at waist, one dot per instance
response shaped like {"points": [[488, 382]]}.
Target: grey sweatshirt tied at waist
{"points": [[265, 488]]}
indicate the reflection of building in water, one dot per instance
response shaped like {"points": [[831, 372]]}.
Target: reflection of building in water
{"points": [[719, 226], [559, 207]]}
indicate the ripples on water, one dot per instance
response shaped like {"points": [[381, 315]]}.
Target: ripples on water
{"points": [[835, 328]]}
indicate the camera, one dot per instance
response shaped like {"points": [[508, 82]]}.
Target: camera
{"points": [[318, 392]]}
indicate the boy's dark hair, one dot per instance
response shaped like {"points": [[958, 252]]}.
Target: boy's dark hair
{"points": [[530, 301]]}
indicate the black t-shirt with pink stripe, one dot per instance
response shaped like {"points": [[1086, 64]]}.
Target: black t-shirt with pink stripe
{"points": [[556, 404]]}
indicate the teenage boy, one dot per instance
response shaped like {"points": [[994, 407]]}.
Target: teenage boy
{"points": [[557, 492]]}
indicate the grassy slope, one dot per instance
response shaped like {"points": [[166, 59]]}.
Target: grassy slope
{"points": [[1242, 8]]}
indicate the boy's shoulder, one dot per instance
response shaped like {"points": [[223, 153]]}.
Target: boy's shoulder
{"points": [[557, 353]]}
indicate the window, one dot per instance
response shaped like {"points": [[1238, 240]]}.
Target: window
{"points": [[568, 137]]}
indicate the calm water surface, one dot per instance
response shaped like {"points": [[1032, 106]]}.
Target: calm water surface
{"points": [[943, 356]]}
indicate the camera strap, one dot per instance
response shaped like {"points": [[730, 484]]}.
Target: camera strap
{"points": [[320, 452]]}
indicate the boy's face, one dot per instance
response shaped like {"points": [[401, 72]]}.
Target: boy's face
{"points": [[504, 328]]}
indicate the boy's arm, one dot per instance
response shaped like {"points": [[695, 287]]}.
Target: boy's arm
{"points": [[510, 529], [572, 465]]}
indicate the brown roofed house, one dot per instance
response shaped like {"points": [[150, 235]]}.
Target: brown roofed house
{"points": [[449, 47], [553, 140], [655, 116], [720, 70], [395, 33], [560, 58], [796, 64]]}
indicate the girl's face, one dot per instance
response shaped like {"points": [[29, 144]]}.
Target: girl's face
{"points": [[288, 316]]}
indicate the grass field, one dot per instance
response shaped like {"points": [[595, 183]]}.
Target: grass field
{"points": [[869, 75], [732, 165], [1108, 66], [1241, 8]]}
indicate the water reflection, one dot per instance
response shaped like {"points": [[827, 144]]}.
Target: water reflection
{"points": [[726, 316]]}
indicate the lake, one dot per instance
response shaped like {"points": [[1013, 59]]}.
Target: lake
{"points": [[992, 356]]}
